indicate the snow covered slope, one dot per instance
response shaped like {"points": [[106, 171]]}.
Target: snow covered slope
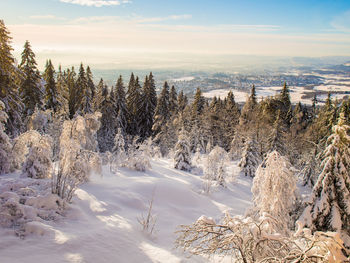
{"points": [[101, 225]]}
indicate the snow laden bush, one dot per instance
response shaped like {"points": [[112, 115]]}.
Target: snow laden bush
{"points": [[77, 158], [248, 240], [274, 190], [214, 167], [5, 143], [329, 205], [138, 157], [182, 156], [250, 158], [38, 163], [119, 156]]}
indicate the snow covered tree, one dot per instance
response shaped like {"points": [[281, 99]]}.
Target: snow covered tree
{"points": [[215, 165], [251, 158], [276, 139], [198, 103], [31, 88], [329, 204], [285, 98], [51, 97], [182, 157], [173, 105], [107, 131], [274, 189], [133, 100], [248, 110], [181, 101], [84, 96], [120, 106], [38, 164], [90, 84], [9, 88], [5, 143], [63, 92], [161, 114], [98, 95], [147, 108]]}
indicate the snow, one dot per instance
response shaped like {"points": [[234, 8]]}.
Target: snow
{"points": [[101, 224], [183, 79]]}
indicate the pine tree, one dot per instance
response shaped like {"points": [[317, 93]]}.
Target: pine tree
{"points": [[52, 101], [31, 90], [133, 100], [73, 92], [182, 158], [90, 83], [147, 109], [328, 208], [198, 103], [276, 139], [98, 95], [182, 101], [161, 114], [248, 111], [107, 131], [173, 105], [120, 105], [84, 99], [9, 89], [251, 158]]}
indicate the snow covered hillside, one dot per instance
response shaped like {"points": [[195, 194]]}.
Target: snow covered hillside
{"points": [[102, 223]]}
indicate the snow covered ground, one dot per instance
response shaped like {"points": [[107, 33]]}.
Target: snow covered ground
{"points": [[101, 225]]}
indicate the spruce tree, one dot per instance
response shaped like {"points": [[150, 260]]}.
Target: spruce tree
{"points": [[161, 114], [120, 106], [84, 99], [52, 101], [182, 101], [63, 92], [173, 104], [251, 158], [182, 157], [9, 89], [107, 131], [328, 208], [133, 100], [276, 139], [73, 92], [198, 103], [90, 83], [98, 95], [285, 97], [248, 110], [31, 89]]}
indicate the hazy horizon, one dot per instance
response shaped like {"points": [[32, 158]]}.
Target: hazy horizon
{"points": [[187, 34]]}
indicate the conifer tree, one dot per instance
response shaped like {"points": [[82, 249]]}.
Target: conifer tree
{"points": [[147, 109], [173, 105], [5, 143], [120, 105], [90, 83], [84, 99], [107, 131], [152, 92], [133, 100], [328, 208], [276, 139], [182, 101], [9, 89], [198, 103], [251, 158], [182, 158], [161, 114], [73, 92], [285, 97], [52, 101], [63, 92], [98, 95], [248, 110], [31, 89]]}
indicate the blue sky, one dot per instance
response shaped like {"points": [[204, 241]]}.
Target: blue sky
{"points": [[108, 28]]}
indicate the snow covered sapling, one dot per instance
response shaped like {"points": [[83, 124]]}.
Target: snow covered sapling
{"points": [[274, 189], [148, 222], [5, 143], [182, 157], [215, 165], [329, 205], [119, 156], [138, 156], [38, 164], [77, 159], [250, 158]]}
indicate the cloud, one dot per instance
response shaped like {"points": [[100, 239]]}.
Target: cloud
{"points": [[96, 3], [342, 22]]}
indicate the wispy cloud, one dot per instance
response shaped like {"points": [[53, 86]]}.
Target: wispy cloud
{"points": [[96, 3], [342, 22]]}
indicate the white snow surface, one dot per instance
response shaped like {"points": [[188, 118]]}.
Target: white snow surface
{"points": [[101, 224]]}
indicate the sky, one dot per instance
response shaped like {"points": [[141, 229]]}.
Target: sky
{"points": [[125, 32]]}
